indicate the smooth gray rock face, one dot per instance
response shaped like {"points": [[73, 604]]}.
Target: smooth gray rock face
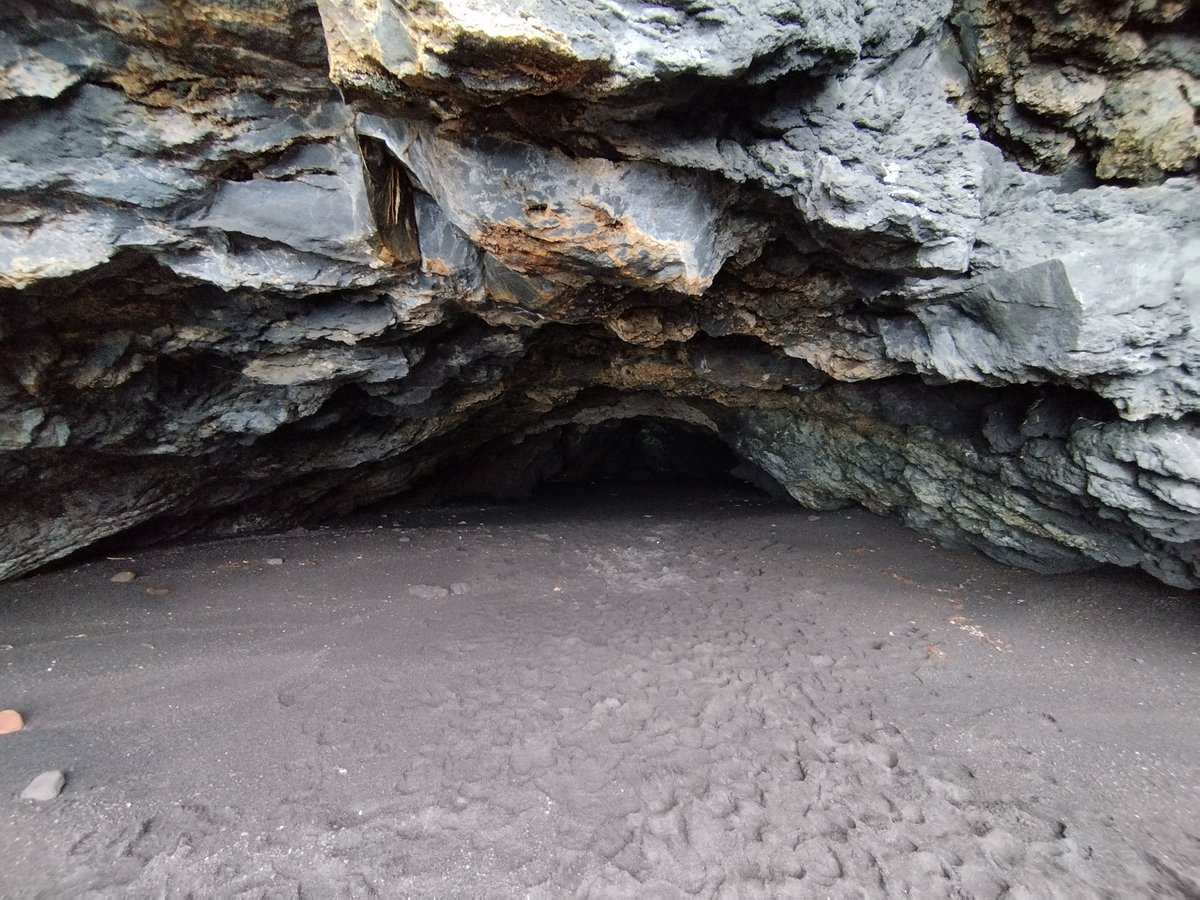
{"points": [[314, 201], [267, 260]]}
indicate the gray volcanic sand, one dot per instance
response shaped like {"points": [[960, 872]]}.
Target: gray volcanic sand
{"points": [[652, 694]]}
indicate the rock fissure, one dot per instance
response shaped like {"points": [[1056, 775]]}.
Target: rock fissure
{"points": [[269, 260]]}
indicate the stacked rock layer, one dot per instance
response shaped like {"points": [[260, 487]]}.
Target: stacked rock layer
{"points": [[269, 260]]}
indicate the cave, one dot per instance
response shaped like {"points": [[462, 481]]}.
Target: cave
{"points": [[916, 280], [831, 250], [630, 453]]}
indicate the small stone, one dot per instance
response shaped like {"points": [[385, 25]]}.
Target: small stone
{"points": [[543, 537], [429, 591], [459, 588], [274, 561], [123, 577], [45, 787], [814, 518], [10, 721]]}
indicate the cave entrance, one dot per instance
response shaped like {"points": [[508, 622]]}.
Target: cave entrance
{"points": [[590, 469], [640, 454]]}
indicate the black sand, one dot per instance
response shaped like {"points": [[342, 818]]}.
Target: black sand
{"points": [[705, 694]]}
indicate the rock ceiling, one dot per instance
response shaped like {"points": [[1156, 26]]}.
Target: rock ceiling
{"points": [[265, 260]]}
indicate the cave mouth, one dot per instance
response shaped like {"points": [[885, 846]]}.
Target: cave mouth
{"points": [[636, 455], [583, 469]]}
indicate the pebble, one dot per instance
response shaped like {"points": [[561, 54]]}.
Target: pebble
{"points": [[814, 518], [10, 721], [123, 577], [543, 537], [459, 588], [429, 591], [45, 787], [274, 561]]}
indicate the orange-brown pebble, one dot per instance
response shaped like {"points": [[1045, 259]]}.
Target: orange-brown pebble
{"points": [[10, 721]]}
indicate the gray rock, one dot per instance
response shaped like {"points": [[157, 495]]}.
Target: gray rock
{"points": [[597, 50], [1118, 492], [325, 212], [45, 787], [235, 295], [541, 213], [103, 146], [429, 591], [327, 365], [886, 172], [57, 245], [1112, 305]]}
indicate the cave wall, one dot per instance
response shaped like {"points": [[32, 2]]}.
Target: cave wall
{"points": [[269, 260]]}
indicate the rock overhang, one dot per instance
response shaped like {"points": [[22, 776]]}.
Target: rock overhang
{"points": [[258, 300], [634, 224], [464, 53]]}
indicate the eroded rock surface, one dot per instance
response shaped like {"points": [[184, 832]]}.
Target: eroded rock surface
{"points": [[263, 261], [1107, 90]]}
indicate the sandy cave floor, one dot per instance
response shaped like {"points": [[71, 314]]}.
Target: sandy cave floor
{"points": [[606, 692]]}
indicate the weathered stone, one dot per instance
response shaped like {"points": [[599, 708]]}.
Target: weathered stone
{"points": [[324, 211], [1112, 306], [1150, 129], [1113, 492], [1054, 91], [1125, 106], [635, 223], [429, 591], [11, 721], [45, 787], [472, 51], [235, 297]]}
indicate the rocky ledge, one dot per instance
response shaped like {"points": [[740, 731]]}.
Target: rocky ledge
{"points": [[263, 261]]}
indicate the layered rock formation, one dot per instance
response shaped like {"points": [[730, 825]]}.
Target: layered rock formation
{"points": [[263, 262]]}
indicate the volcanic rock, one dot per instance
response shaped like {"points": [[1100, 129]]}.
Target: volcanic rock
{"points": [[268, 261]]}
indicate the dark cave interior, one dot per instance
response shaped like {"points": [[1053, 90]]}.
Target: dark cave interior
{"points": [[631, 451]]}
